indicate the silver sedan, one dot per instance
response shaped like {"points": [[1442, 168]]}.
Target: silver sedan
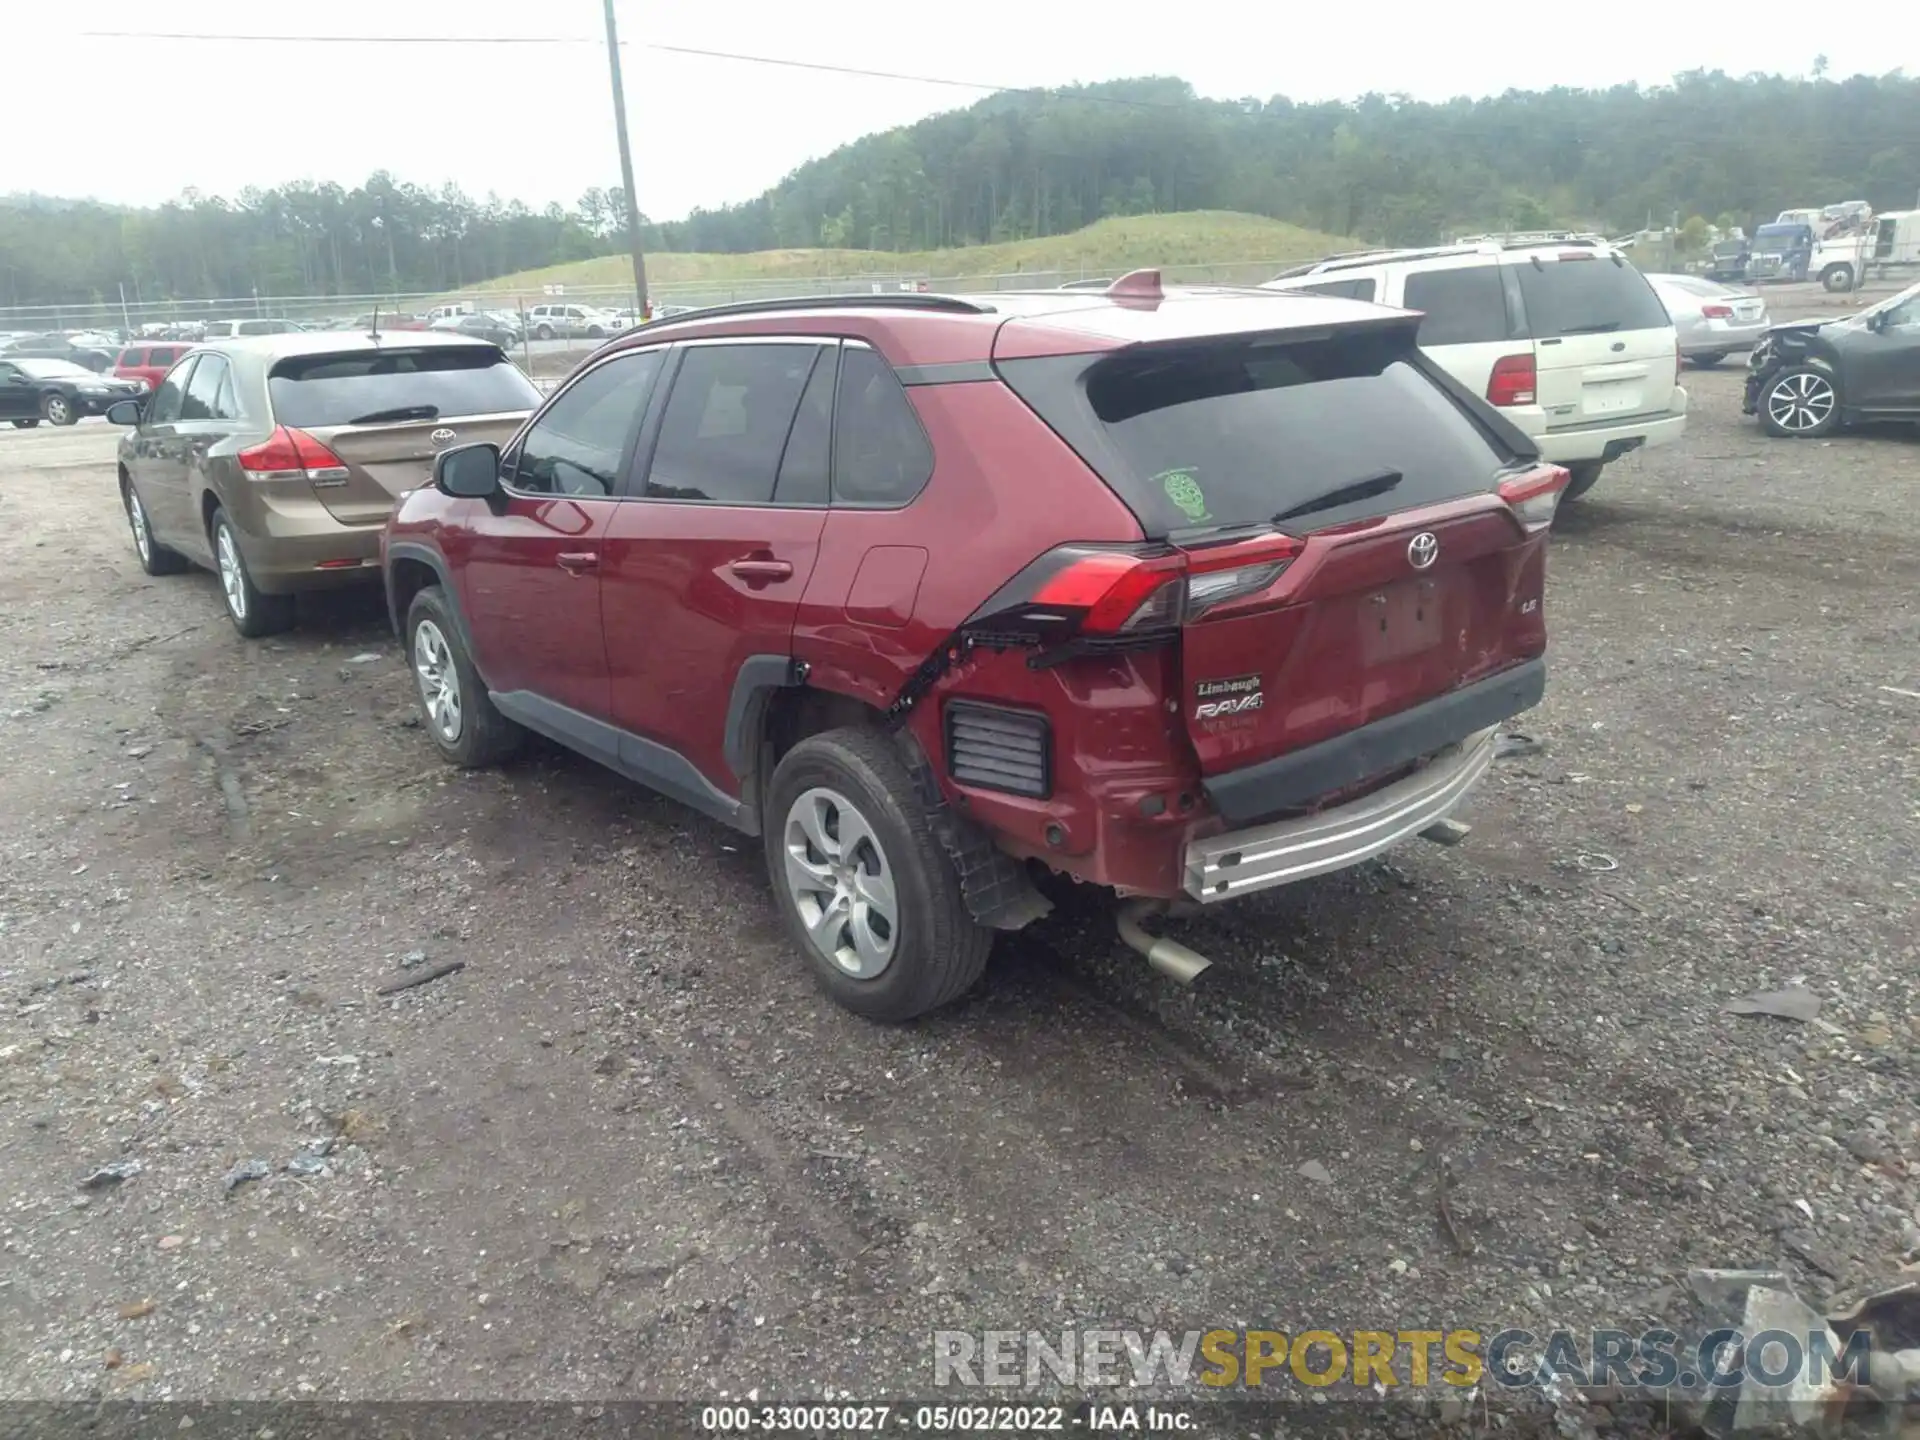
{"points": [[1711, 320]]}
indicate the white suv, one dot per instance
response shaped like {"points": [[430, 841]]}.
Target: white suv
{"points": [[1561, 333], [572, 322]]}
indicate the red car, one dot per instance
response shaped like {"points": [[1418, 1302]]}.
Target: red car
{"points": [[149, 360], [1185, 593]]}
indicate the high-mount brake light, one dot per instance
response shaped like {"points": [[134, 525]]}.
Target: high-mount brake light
{"points": [[290, 454], [1138, 594], [1534, 496], [1513, 381]]}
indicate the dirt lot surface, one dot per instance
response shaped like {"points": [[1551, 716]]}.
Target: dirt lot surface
{"points": [[629, 1151]]}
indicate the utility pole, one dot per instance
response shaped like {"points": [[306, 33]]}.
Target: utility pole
{"points": [[626, 168]]}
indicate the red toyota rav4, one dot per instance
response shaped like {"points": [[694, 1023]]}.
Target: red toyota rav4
{"points": [[1187, 593]]}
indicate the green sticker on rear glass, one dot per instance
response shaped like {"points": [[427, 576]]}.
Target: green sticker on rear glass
{"points": [[1183, 489]]}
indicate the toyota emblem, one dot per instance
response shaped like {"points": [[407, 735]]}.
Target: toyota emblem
{"points": [[444, 437], [1423, 550]]}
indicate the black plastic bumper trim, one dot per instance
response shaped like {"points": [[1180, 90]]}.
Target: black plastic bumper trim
{"points": [[1293, 779]]}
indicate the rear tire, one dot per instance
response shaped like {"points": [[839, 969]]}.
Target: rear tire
{"points": [[1585, 477], [254, 613], [895, 939], [1802, 402], [545, 332], [1709, 360], [471, 733], [25, 424]]}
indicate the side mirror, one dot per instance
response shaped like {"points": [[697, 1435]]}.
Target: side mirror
{"points": [[470, 472], [124, 412]]}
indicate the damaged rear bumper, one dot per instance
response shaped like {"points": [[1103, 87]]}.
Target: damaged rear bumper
{"points": [[1224, 867]]}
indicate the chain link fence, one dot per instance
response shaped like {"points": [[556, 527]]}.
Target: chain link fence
{"points": [[135, 314]]}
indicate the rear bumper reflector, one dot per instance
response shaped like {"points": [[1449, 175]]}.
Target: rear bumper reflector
{"points": [[1223, 867], [1302, 776]]}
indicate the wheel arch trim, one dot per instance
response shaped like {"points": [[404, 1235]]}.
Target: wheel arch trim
{"points": [[430, 557]]}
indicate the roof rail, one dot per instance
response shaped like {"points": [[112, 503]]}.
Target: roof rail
{"points": [[1519, 239], [1374, 257], [887, 300]]}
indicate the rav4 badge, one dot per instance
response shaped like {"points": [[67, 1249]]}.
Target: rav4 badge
{"points": [[1232, 696]]}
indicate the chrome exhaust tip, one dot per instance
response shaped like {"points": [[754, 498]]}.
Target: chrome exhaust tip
{"points": [[1169, 957]]}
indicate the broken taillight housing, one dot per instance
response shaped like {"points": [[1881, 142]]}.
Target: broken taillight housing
{"points": [[1107, 596], [1534, 495]]}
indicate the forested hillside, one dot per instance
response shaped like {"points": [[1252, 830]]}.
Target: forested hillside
{"points": [[1021, 165]]}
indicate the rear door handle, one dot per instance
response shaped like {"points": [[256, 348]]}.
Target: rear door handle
{"points": [[762, 571], [575, 562]]}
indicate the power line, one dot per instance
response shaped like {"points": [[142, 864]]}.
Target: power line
{"points": [[781, 61]]}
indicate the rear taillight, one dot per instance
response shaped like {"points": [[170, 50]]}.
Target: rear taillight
{"points": [[1717, 312], [1134, 594], [1534, 496], [290, 454], [1513, 381]]}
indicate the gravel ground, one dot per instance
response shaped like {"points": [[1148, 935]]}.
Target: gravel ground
{"points": [[629, 1151]]}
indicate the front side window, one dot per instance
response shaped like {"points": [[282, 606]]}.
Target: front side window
{"points": [[202, 400], [165, 407], [727, 422], [579, 445]]}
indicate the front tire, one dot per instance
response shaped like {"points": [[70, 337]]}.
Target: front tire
{"points": [[865, 889], [155, 558], [1709, 360], [460, 716], [1585, 477], [254, 613], [58, 410], [1800, 403], [1837, 278]]}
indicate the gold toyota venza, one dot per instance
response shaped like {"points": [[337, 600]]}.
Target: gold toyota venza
{"points": [[273, 460]]}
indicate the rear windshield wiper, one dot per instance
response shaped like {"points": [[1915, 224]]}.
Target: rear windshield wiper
{"points": [[1365, 488], [1597, 329], [398, 412]]}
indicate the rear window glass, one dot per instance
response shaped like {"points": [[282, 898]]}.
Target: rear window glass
{"points": [[1588, 297], [310, 390], [1462, 306], [1239, 433]]}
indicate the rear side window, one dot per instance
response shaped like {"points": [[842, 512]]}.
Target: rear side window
{"points": [[163, 355], [1465, 306], [1358, 288], [1588, 297], [132, 357], [320, 390], [727, 421], [881, 456], [1239, 433]]}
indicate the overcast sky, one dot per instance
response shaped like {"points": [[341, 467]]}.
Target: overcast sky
{"points": [[137, 120]]}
